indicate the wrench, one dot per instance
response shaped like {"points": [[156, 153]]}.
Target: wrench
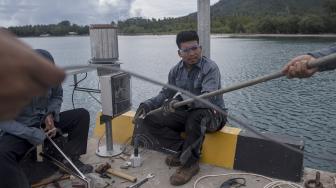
{"points": [[151, 175]]}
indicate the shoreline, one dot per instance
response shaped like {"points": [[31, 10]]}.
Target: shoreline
{"points": [[219, 35], [233, 35]]}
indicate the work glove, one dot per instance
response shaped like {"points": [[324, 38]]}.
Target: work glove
{"points": [[212, 120], [167, 106], [141, 112], [183, 97]]}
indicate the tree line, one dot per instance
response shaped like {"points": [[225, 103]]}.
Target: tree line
{"points": [[293, 24], [61, 29], [266, 24]]}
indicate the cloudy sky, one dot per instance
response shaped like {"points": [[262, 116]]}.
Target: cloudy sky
{"points": [[83, 12]]}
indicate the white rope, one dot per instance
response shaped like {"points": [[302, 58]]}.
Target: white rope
{"points": [[230, 174], [275, 184], [272, 184]]}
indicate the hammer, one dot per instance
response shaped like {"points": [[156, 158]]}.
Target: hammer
{"points": [[106, 168]]}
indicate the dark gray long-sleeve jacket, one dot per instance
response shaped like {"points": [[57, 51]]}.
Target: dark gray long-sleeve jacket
{"points": [[33, 114], [325, 52], [204, 77]]}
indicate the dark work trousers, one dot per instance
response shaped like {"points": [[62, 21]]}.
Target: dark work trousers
{"points": [[13, 149], [76, 123], [166, 129]]}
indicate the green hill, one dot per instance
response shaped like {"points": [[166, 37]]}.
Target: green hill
{"points": [[267, 7], [227, 16], [249, 16]]}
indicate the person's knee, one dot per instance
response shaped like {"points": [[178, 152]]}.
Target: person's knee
{"points": [[83, 114], [198, 115], [193, 128], [194, 121], [151, 121]]}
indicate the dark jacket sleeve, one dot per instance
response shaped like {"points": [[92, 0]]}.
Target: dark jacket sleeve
{"points": [[164, 94], [55, 101], [325, 52]]}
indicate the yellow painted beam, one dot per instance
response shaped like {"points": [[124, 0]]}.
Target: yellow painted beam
{"points": [[220, 148]]}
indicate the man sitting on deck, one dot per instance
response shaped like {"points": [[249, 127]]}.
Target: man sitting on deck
{"points": [[18, 136], [198, 75]]}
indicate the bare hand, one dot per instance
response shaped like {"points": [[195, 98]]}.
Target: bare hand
{"points": [[297, 67], [50, 126], [23, 75]]}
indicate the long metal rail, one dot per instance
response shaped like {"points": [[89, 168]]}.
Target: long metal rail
{"points": [[330, 59]]}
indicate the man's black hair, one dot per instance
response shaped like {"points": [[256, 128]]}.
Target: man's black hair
{"points": [[45, 54], [186, 36]]}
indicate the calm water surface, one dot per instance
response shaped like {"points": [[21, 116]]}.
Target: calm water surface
{"points": [[300, 108]]}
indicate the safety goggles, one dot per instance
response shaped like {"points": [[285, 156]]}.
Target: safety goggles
{"points": [[188, 50]]}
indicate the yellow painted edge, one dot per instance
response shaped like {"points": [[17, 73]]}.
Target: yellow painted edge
{"points": [[220, 148]]}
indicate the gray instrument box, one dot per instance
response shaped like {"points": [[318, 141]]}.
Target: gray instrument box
{"points": [[115, 93]]}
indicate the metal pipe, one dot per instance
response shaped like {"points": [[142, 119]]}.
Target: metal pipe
{"points": [[61, 166], [59, 150], [330, 59], [203, 25], [109, 139], [80, 70], [87, 89], [75, 79]]}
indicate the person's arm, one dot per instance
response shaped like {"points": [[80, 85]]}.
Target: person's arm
{"points": [[32, 134], [24, 74], [164, 94], [210, 83], [322, 53]]}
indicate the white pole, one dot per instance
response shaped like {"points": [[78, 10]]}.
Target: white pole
{"points": [[203, 25]]}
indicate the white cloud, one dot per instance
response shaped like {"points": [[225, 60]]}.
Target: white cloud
{"points": [[164, 8], [84, 12], [108, 2]]}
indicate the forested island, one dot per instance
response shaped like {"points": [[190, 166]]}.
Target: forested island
{"points": [[227, 16]]}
